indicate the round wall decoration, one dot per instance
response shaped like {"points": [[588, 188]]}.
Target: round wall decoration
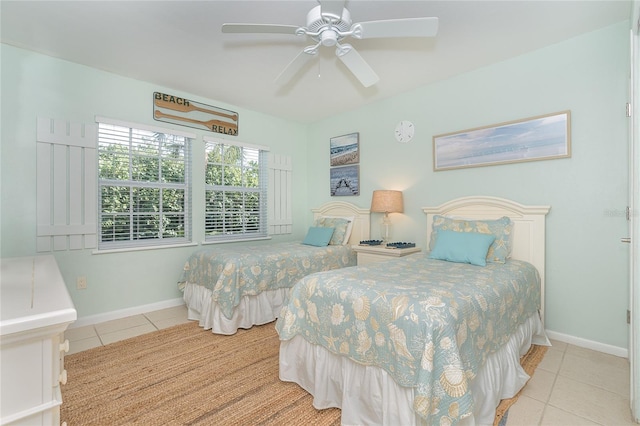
{"points": [[405, 131]]}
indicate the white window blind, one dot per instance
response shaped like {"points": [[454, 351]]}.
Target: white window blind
{"points": [[144, 181], [235, 191]]}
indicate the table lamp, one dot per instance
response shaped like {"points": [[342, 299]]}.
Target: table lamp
{"points": [[386, 201]]}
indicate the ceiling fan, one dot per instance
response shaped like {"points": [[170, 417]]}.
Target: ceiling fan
{"points": [[328, 24]]}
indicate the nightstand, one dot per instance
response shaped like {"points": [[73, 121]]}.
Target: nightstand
{"points": [[370, 254]]}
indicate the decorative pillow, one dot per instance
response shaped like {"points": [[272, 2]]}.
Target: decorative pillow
{"points": [[342, 228], [318, 236], [501, 228], [462, 247]]}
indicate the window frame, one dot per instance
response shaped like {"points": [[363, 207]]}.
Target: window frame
{"points": [[262, 191], [159, 241]]}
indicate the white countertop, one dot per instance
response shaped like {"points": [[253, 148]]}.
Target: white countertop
{"points": [[33, 295]]}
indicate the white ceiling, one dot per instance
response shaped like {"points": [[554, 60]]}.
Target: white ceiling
{"points": [[179, 44]]}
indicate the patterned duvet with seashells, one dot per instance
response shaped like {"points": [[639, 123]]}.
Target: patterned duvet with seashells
{"points": [[431, 324], [233, 272]]}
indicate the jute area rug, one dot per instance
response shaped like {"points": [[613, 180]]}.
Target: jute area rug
{"points": [[185, 375]]}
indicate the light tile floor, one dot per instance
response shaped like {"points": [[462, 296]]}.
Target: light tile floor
{"points": [[571, 386], [575, 386], [91, 336]]}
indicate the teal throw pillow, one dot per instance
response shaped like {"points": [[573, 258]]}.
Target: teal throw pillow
{"points": [[462, 247], [318, 236]]}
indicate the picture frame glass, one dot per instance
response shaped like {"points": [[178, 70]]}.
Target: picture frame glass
{"points": [[344, 149], [537, 138], [345, 180]]}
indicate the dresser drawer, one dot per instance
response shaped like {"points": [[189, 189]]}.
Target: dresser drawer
{"points": [[36, 310]]}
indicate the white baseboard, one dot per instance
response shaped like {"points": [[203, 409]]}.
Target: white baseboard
{"points": [[122, 313], [588, 344]]}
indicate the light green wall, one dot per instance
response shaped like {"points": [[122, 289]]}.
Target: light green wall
{"points": [[587, 266], [587, 279], [34, 85]]}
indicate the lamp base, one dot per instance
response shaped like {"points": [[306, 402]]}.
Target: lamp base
{"points": [[386, 229]]}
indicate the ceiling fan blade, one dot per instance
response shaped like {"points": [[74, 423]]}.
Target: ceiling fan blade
{"points": [[332, 8], [259, 28], [357, 65], [296, 65], [409, 27]]}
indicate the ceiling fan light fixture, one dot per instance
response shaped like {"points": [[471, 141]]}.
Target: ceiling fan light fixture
{"points": [[329, 38]]}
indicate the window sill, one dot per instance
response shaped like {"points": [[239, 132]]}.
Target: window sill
{"points": [[239, 240], [128, 249]]}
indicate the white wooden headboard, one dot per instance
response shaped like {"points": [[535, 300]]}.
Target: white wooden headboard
{"points": [[361, 229], [528, 226]]}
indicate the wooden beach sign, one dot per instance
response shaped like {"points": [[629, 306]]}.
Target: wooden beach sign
{"points": [[181, 111]]}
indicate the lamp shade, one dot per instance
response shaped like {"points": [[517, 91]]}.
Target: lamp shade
{"points": [[387, 201]]}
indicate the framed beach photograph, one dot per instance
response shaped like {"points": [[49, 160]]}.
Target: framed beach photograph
{"points": [[344, 149], [543, 137], [345, 180]]}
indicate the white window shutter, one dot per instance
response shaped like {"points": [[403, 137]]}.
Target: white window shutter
{"points": [[279, 195], [66, 185]]}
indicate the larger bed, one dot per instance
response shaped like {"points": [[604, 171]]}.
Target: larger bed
{"points": [[229, 287], [419, 340]]}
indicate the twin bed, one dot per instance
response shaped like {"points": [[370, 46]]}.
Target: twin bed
{"points": [[419, 340], [415, 340], [230, 287]]}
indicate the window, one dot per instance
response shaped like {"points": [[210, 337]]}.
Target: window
{"points": [[144, 184], [235, 191]]}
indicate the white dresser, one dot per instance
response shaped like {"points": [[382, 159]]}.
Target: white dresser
{"points": [[36, 310]]}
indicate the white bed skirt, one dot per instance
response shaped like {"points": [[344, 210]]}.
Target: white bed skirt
{"points": [[252, 310], [369, 396]]}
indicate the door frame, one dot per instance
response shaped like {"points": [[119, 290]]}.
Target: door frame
{"points": [[634, 211]]}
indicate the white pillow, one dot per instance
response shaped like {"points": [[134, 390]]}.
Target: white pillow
{"points": [[347, 233]]}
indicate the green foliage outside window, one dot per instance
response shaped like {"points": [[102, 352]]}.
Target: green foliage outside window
{"points": [[233, 191], [143, 185]]}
